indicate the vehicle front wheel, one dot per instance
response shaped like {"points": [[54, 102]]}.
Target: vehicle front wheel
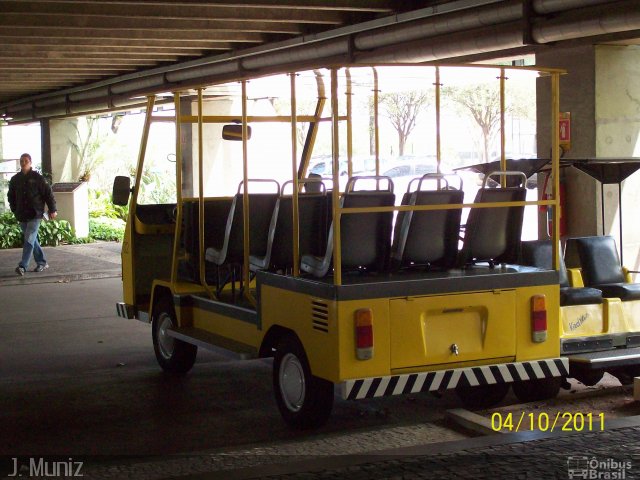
{"points": [[304, 401], [539, 389], [173, 355]]}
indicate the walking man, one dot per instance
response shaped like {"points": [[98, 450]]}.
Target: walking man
{"points": [[28, 193]]}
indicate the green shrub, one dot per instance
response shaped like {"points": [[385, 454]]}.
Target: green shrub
{"points": [[109, 229], [100, 205], [51, 233], [54, 232], [10, 232]]}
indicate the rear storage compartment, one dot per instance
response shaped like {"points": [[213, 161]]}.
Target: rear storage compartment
{"points": [[446, 329]]}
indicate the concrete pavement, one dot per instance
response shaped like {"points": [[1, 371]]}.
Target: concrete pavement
{"points": [[66, 263]]}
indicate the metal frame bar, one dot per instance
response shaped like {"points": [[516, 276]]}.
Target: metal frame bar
{"points": [[246, 279], [555, 167], [178, 228], [337, 253], [294, 176]]}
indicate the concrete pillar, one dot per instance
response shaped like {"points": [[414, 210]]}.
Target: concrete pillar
{"points": [[577, 95], [618, 135], [45, 146], [602, 93], [187, 145], [64, 158]]}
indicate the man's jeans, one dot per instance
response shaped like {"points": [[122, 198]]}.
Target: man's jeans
{"points": [[30, 244]]}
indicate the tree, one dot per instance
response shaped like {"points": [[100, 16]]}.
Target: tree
{"points": [[87, 145], [402, 109], [482, 102]]}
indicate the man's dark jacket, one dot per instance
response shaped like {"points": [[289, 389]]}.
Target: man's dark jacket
{"points": [[28, 194]]}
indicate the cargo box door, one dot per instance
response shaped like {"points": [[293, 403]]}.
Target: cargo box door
{"points": [[452, 328]]}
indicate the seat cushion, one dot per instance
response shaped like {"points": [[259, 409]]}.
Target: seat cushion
{"points": [[623, 291], [579, 296], [600, 261]]}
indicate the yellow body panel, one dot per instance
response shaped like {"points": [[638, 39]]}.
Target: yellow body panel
{"points": [[614, 315], [582, 320], [415, 334], [526, 348], [224, 326], [442, 329], [128, 279], [632, 315]]}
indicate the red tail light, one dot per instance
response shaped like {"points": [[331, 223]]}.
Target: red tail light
{"points": [[364, 334], [538, 318]]}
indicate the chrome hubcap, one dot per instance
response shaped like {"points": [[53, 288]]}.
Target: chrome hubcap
{"points": [[166, 343], [292, 386]]}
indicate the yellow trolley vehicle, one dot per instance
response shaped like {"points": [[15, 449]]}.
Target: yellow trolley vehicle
{"points": [[356, 285]]}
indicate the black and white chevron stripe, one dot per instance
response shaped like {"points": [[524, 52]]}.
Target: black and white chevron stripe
{"points": [[448, 379], [122, 310]]}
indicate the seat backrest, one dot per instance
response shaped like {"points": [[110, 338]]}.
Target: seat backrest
{"points": [[216, 212], [599, 261], [538, 253], [312, 236], [261, 207], [493, 234], [365, 238], [431, 236]]}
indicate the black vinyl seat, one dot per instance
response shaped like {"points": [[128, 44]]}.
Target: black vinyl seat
{"points": [[313, 219], [538, 253], [601, 268], [231, 250], [365, 238], [429, 237], [493, 234]]}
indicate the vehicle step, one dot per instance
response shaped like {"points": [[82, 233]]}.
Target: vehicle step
{"points": [[213, 342], [607, 359]]}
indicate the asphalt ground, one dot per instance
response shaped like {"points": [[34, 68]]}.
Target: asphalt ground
{"points": [[66, 263]]}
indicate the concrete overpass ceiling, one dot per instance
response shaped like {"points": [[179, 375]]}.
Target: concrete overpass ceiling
{"points": [[62, 57], [51, 44]]}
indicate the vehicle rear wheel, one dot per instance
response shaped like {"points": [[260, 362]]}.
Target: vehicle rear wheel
{"points": [[538, 389], [304, 401], [173, 355], [482, 396]]}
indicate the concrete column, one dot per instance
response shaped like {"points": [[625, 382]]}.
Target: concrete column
{"points": [[602, 93], [617, 122], [45, 146], [577, 95], [64, 158]]}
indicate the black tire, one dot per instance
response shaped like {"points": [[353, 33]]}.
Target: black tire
{"points": [[539, 389], [304, 401], [625, 375], [482, 396], [174, 356], [587, 377]]}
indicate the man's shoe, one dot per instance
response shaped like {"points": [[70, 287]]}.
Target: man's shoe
{"points": [[20, 270], [40, 268]]}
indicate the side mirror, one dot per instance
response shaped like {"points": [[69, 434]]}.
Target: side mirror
{"points": [[233, 131], [121, 190]]}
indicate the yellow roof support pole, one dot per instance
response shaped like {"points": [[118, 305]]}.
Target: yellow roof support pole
{"points": [[294, 176], [201, 248], [151, 100], [503, 154], [176, 239], [555, 165], [246, 280], [337, 254], [376, 99], [314, 125], [349, 125], [438, 139]]}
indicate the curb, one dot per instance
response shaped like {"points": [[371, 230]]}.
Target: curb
{"points": [[60, 278]]}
